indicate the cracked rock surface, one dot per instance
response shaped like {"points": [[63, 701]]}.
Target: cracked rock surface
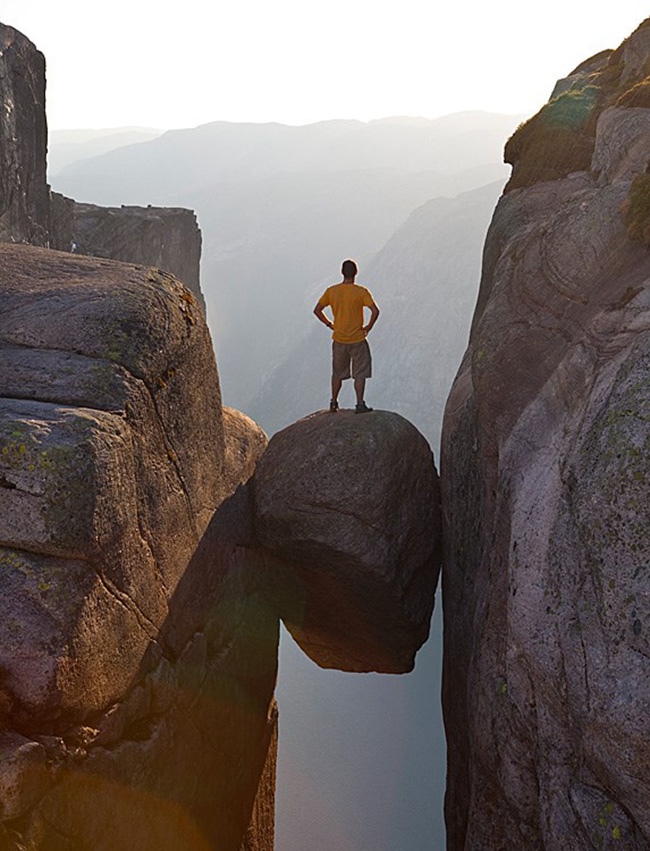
{"points": [[545, 487], [137, 653], [351, 503]]}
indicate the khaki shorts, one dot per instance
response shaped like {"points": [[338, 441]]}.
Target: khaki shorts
{"points": [[354, 355]]}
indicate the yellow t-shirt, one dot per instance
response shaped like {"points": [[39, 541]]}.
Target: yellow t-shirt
{"points": [[347, 302]]}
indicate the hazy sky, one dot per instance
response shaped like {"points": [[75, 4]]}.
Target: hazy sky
{"points": [[178, 64]]}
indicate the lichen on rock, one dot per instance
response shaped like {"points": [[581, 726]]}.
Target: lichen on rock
{"points": [[138, 653], [545, 493]]}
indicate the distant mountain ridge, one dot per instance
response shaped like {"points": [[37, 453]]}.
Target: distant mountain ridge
{"points": [[69, 146], [194, 158]]}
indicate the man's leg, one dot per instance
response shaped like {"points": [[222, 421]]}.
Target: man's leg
{"points": [[340, 370], [361, 370]]}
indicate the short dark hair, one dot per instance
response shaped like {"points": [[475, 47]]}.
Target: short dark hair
{"points": [[349, 269]]}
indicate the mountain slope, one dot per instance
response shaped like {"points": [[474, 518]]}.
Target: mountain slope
{"points": [[70, 146]]}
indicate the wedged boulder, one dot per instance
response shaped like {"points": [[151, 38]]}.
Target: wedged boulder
{"points": [[138, 654], [351, 504]]}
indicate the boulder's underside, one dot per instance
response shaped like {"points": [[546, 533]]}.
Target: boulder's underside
{"points": [[350, 504]]}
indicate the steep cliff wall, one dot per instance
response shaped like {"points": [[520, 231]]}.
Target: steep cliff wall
{"points": [[24, 194], [545, 478]]}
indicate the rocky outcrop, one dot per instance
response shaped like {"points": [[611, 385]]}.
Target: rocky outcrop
{"points": [[24, 194], [545, 491], [138, 654], [622, 148], [352, 504], [62, 223], [560, 139], [163, 237]]}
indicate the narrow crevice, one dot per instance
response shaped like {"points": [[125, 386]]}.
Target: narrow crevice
{"points": [[7, 343], [148, 626], [64, 403], [47, 552]]}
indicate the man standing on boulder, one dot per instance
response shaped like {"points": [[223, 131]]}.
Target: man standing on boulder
{"points": [[350, 349]]}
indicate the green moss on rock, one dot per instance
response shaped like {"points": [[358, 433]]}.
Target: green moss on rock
{"points": [[557, 141], [560, 138]]}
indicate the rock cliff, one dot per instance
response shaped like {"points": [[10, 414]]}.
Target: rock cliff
{"points": [[24, 194], [138, 655], [545, 479], [164, 237]]}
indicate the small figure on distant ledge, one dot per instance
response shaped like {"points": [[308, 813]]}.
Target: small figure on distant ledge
{"points": [[350, 349]]}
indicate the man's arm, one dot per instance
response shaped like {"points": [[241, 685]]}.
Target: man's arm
{"points": [[374, 316], [318, 313]]}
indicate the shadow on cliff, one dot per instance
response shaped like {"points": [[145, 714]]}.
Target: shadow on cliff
{"points": [[176, 764]]}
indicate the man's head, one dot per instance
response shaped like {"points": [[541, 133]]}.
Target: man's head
{"points": [[349, 269]]}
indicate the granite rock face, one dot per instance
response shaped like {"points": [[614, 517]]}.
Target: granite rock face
{"points": [[622, 147], [351, 504], [163, 237], [577, 77], [260, 835], [24, 193], [545, 490], [137, 652]]}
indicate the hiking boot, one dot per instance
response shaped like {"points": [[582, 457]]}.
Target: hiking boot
{"points": [[334, 406], [362, 408]]}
